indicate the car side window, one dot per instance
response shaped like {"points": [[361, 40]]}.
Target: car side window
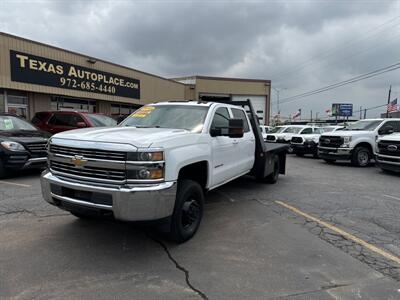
{"points": [[60, 120], [239, 114], [307, 131], [394, 124], [74, 120], [221, 118]]}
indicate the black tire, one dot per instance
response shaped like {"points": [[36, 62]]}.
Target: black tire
{"points": [[329, 161], [273, 177], [299, 154], [2, 170], [188, 211], [315, 155], [361, 157]]}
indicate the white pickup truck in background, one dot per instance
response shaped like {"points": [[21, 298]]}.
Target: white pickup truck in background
{"points": [[158, 163], [387, 154], [357, 142]]}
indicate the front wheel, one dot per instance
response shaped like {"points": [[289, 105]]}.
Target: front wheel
{"points": [[188, 211], [361, 157]]}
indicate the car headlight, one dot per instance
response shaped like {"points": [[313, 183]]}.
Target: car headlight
{"points": [[12, 146], [145, 165]]}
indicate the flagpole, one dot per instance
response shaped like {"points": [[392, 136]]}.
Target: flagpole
{"points": [[387, 107]]}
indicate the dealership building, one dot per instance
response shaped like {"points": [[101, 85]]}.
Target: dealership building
{"points": [[38, 77]]}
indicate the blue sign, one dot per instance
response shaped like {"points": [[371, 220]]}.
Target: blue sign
{"points": [[342, 109]]}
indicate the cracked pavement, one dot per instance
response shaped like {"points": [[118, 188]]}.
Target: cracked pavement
{"points": [[248, 247]]}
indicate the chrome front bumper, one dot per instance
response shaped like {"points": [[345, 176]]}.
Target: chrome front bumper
{"points": [[139, 203]]}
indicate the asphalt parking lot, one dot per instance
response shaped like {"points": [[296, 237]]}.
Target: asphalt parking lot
{"points": [[323, 232]]}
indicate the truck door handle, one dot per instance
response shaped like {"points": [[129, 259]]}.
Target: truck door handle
{"points": [[235, 142]]}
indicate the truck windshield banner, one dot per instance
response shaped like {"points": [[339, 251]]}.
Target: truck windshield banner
{"points": [[33, 69]]}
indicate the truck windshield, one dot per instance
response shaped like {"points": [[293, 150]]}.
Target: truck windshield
{"points": [[168, 116], [369, 125], [10, 123]]}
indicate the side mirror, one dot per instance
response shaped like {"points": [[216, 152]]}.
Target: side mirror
{"points": [[81, 125], [386, 130], [236, 128]]}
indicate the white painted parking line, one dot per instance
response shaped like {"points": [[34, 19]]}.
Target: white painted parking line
{"points": [[393, 197], [16, 184]]}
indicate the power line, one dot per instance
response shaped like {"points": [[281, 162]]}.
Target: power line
{"points": [[342, 83], [338, 48]]}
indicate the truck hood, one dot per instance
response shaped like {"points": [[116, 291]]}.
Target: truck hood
{"points": [[23, 136], [138, 137], [349, 133], [391, 137]]}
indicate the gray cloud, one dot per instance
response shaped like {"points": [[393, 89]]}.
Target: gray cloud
{"points": [[256, 39]]}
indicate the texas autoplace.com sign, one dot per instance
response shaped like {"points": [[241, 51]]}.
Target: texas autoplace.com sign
{"points": [[34, 69]]}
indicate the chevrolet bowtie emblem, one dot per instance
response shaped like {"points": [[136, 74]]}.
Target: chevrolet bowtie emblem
{"points": [[78, 161]]}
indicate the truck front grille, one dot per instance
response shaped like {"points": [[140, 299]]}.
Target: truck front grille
{"points": [[88, 172], [331, 141], [391, 148], [89, 153], [297, 140]]}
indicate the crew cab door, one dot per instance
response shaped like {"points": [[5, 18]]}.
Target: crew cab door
{"points": [[245, 146], [223, 150]]}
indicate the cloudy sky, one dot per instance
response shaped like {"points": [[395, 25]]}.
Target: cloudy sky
{"points": [[300, 45]]}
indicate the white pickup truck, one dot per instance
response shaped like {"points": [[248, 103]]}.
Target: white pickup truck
{"points": [[387, 154], [157, 164], [357, 142]]}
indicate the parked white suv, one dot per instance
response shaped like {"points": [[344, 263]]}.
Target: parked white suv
{"points": [[357, 142]]}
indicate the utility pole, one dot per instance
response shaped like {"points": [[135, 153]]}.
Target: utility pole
{"points": [[365, 113], [277, 98], [360, 112], [311, 116], [387, 107]]}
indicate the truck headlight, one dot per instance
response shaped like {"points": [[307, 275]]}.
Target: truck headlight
{"points": [[145, 171], [146, 165], [146, 156], [346, 141], [12, 146]]}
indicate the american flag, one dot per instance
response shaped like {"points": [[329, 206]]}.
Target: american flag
{"points": [[297, 114], [392, 106]]}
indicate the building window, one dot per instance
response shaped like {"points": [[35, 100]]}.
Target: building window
{"points": [[121, 111], [61, 103], [16, 103]]}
